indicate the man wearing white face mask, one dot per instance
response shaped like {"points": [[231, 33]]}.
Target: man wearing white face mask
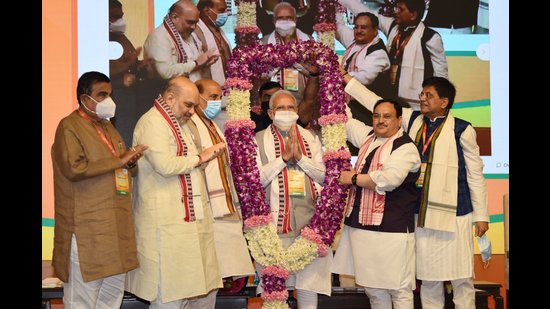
{"points": [[233, 258], [292, 156], [294, 78], [94, 244]]}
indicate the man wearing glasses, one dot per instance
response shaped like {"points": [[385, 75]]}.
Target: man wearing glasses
{"points": [[452, 193], [377, 241]]}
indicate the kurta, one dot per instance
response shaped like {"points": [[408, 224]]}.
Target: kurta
{"points": [[162, 49], [233, 257], [175, 255], [315, 276], [431, 258], [86, 202]]}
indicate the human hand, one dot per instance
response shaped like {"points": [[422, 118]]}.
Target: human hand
{"points": [[345, 177], [130, 157], [481, 228], [212, 152], [296, 149], [288, 152]]}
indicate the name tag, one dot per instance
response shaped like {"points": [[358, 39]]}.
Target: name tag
{"points": [[296, 183], [420, 181], [122, 181], [291, 79]]}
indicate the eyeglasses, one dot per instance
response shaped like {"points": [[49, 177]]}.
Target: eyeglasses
{"points": [[428, 95]]}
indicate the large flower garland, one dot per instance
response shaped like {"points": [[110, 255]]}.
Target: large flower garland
{"points": [[250, 60]]}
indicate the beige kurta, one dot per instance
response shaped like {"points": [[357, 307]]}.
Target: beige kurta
{"points": [[176, 255], [86, 202]]}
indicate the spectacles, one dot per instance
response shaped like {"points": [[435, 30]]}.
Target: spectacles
{"points": [[428, 95]]}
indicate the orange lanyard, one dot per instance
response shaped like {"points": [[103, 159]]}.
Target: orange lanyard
{"points": [[99, 132]]}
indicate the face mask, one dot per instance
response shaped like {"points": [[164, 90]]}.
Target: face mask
{"points": [[213, 108], [220, 19], [118, 26], [285, 27], [485, 248], [104, 109], [283, 120]]}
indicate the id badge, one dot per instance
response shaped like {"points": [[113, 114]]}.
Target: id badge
{"points": [[122, 181], [296, 183], [291, 79], [420, 180], [393, 73]]}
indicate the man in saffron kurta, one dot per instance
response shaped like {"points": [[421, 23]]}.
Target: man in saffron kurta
{"points": [[453, 193], [174, 232], [94, 242], [377, 242], [233, 257], [292, 171]]}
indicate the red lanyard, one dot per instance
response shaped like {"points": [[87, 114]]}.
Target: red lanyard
{"points": [[99, 132]]}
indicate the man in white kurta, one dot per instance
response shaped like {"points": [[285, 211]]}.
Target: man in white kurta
{"points": [[176, 253], [453, 196], [293, 79], [292, 156], [213, 15], [174, 48], [377, 242], [365, 58], [416, 52], [233, 257]]}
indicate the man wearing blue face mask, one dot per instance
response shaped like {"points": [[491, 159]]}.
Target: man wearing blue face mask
{"points": [[213, 15], [234, 260]]}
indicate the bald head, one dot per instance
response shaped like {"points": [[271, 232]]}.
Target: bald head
{"points": [[185, 16], [209, 90], [181, 95]]}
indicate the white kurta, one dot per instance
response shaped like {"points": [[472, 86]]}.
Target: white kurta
{"points": [[231, 249], [315, 277], [376, 259], [368, 66], [162, 49], [412, 66], [429, 265], [177, 256]]}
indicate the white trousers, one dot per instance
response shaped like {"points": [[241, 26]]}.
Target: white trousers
{"points": [[383, 298], [205, 302], [306, 299], [464, 295], [105, 293]]}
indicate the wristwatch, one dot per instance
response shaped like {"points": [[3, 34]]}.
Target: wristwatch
{"points": [[354, 179]]}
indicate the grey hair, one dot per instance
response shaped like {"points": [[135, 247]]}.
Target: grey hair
{"points": [[279, 93], [283, 4]]}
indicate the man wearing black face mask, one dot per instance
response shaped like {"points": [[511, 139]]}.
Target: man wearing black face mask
{"points": [[260, 117]]}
